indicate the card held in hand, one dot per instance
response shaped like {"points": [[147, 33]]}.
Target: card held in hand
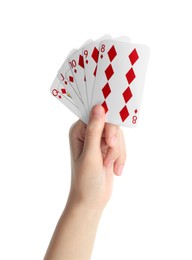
{"points": [[108, 71], [119, 81], [64, 97]]}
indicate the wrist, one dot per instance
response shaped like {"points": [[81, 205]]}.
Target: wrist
{"points": [[82, 208]]}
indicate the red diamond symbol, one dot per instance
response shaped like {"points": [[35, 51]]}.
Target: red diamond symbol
{"points": [[133, 56], [106, 90], [65, 82], [130, 75], [124, 113], [95, 71], [71, 79], [136, 111], [104, 105], [63, 90], [81, 63], [109, 72], [112, 53], [95, 54], [127, 94]]}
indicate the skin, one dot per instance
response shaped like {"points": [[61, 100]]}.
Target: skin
{"points": [[97, 153]]}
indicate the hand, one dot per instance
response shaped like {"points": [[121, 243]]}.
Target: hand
{"points": [[97, 152]]}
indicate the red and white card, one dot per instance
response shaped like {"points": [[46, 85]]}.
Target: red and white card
{"points": [[64, 97], [120, 79], [90, 58], [110, 72]]}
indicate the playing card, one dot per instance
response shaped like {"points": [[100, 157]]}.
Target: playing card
{"points": [[66, 87], [76, 63], [90, 59], [122, 39], [69, 84], [61, 75], [119, 81], [72, 88], [77, 67], [108, 71], [64, 97], [65, 67]]}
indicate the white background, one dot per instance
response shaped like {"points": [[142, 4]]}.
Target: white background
{"points": [[149, 215]]}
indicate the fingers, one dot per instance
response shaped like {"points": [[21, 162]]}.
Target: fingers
{"points": [[75, 128], [88, 139], [111, 132], [120, 162], [94, 130], [116, 155], [76, 137]]}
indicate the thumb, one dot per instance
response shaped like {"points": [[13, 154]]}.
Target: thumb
{"points": [[94, 129]]}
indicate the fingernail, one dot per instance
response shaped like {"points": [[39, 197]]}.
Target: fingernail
{"points": [[110, 163], [120, 169], [113, 140], [97, 111]]}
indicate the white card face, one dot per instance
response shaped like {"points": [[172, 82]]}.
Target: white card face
{"points": [[72, 89], [77, 67], [119, 81], [64, 97], [122, 39], [90, 57], [61, 75], [65, 66], [79, 83]]}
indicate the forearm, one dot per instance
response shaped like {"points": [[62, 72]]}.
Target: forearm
{"points": [[74, 234]]}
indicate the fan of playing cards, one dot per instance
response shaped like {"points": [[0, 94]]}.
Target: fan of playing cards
{"points": [[108, 71]]}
